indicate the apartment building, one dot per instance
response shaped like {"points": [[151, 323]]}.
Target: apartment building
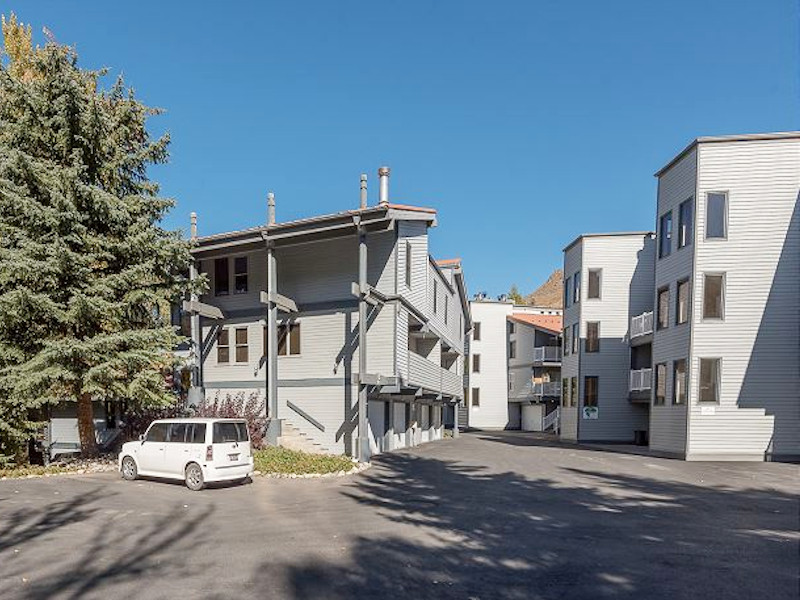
{"points": [[290, 303], [727, 287], [514, 364], [608, 280]]}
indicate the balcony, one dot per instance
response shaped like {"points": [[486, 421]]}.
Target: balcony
{"points": [[547, 389], [547, 355], [641, 326], [432, 377], [641, 380]]}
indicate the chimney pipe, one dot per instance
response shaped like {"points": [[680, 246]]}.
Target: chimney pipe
{"points": [[193, 225], [363, 191], [383, 190], [270, 208]]}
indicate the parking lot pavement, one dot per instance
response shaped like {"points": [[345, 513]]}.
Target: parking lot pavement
{"points": [[489, 515]]}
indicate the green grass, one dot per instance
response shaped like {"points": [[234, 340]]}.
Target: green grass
{"points": [[282, 461]]}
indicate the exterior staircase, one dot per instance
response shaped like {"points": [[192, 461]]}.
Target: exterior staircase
{"points": [[295, 439]]}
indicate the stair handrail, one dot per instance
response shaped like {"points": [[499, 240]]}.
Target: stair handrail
{"points": [[305, 415]]}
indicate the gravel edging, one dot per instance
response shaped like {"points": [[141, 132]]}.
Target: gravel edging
{"points": [[357, 468], [76, 467]]}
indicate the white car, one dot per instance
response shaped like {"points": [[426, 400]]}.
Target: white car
{"points": [[198, 451]]}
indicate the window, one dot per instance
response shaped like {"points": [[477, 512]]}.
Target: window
{"points": [[590, 390], [512, 349], [157, 433], [567, 293], [713, 296], [661, 383], [573, 391], [476, 331], [663, 308], [197, 434], [567, 342], [223, 347], [476, 397], [177, 432], [408, 263], [709, 379], [512, 328], [226, 432], [665, 235], [576, 338], [446, 304], [565, 391], [241, 345], [435, 295], [682, 302], [576, 288], [111, 417], [679, 382], [240, 275], [476, 363], [716, 215], [289, 339], [685, 223], [592, 343], [221, 283], [594, 284], [510, 381]]}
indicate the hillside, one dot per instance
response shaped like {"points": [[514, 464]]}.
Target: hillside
{"points": [[548, 294]]}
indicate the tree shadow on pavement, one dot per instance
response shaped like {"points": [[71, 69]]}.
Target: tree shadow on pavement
{"points": [[461, 531]]}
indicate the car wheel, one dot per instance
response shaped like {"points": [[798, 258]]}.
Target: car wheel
{"points": [[194, 477], [129, 470]]}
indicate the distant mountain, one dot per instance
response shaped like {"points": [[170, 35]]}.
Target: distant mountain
{"points": [[549, 294]]}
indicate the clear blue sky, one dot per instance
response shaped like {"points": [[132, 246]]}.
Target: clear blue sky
{"points": [[524, 123]]}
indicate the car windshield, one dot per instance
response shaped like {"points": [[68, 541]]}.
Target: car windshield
{"points": [[230, 431]]}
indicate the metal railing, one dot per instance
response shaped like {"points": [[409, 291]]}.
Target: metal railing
{"points": [[552, 421], [547, 388], [642, 324], [544, 354], [641, 380]]}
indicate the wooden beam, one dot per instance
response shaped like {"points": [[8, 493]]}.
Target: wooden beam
{"points": [[282, 302], [202, 309]]}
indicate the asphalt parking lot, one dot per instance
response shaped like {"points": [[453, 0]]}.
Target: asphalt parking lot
{"points": [[489, 515]]}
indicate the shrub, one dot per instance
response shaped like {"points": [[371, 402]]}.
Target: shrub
{"points": [[237, 406]]}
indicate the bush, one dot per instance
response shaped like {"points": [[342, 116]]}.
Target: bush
{"points": [[251, 409], [274, 460], [137, 420]]}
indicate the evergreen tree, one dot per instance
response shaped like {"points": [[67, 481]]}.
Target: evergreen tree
{"points": [[515, 296], [86, 270]]}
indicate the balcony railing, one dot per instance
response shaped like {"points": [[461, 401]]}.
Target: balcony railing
{"points": [[641, 380], [547, 354], [642, 324], [429, 375], [547, 388]]}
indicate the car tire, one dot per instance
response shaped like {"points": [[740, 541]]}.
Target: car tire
{"points": [[194, 477], [129, 469]]}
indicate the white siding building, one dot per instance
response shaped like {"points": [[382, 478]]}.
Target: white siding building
{"points": [[608, 280], [509, 368], [729, 266]]}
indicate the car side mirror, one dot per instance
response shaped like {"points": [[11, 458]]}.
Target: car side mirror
{"points": [[141, 438]]}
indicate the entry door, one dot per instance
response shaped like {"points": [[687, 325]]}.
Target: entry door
{"points": [[151, 452]]}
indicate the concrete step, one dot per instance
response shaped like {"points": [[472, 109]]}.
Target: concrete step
{"points": [[294, 439]]}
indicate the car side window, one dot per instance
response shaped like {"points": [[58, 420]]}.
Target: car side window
{"points": [[197, 435], [225, 432], [177, 432], [157, 433]]}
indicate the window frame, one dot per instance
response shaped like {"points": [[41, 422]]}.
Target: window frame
{"points": [[576, 338], [475, 398], [722, 290], [568, 292], [565, 389], [659, 327], [218, 279], [686, 231], [566, 342], [512, 349], [226, 346], [717, 383], [660, 400], [238, 346], [408, 264], [286, 336], [476, 363], [726, 195], [675, 399], [574, 391], [596, 390], [476, 331], [661, 249], [587, 347], [237, 274], [682, 282], [576, 288], [599, 296]]}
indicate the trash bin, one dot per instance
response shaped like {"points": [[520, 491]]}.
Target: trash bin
{"points": [[640, 437]]}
